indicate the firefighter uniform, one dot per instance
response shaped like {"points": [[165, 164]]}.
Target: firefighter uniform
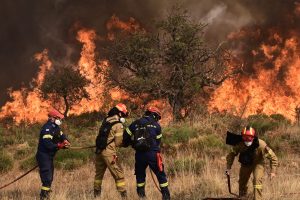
{"points": [[149, 158], [50, 136], [257, 166], [108, 158]]}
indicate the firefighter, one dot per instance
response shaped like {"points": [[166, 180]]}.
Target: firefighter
{"points": [[147, 150], [252, 153], [51, 139], [110, 137]]}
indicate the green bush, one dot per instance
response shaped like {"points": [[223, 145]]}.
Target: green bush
{"points": [[180, 134], [72, 159], [6, 162], [28, 163], [209, 143], [186, 165], [262, 123]]}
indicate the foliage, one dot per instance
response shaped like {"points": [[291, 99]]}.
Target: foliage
{"points": [[66, 83], [263, 123], [172, 62], [178, 134], [186, 165], [28, 163], [71, 159], [6, 162]]}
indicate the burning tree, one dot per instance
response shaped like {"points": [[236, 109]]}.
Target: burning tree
{"points": [[172, 63], [66, 83]]}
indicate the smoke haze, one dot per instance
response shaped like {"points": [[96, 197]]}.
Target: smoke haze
{"points": [[29, 26]]}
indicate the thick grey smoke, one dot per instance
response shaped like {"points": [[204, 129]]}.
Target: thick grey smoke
{"points": [[29, 26]]}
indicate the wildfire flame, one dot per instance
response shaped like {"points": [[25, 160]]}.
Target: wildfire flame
{"points": [[272, 87], [29, 107]]}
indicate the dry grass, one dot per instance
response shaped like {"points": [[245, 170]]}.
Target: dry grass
{"points": [[195, 167], [188, 184]]}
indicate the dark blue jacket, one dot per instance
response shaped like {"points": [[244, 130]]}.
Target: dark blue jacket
{"points": [[50, 135], [154, 129]]}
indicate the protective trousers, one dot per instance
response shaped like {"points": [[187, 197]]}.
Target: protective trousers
{"points": [[110, 162], [142, 161], [258, 174], [46, 170]]}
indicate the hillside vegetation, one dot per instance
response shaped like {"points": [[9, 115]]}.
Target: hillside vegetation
{"points": [[194, 155]]}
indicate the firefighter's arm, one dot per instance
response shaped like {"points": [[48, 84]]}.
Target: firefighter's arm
{"points": [[64, 139], [127, 134], [269, 154], [118, 134], [230, 157], [159, 133]]}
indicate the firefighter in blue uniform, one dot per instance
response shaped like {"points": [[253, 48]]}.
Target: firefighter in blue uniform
{"points": [[51, 139], [152, 157]]}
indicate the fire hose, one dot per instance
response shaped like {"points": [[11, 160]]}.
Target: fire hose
{"points": [[155, 183], [36, 166]]}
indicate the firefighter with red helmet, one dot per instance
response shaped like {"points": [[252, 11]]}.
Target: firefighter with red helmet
{"points": [[50, 141], [252, 153], [110, 137], [144, 135]]}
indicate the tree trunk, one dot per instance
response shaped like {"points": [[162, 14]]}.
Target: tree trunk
{"points": [[67, 106], [177, 105]]}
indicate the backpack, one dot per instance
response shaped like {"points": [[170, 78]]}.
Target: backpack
{"points": [[142, 140], [101, 140]]}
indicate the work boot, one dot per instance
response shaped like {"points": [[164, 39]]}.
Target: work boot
{"points": [[45, 195], [97, 193], [165, 193], [141, 192], [123, 194]]}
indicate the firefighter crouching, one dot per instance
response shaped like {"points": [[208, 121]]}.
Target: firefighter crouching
{"points": [[144, 135], [110, 137], [51, 139], [252, 153]]}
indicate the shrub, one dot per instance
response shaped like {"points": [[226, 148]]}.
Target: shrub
{"points": [[209, 142], [262, 123], [186, 165], [180, 134], [21, 153], [28, 163], [71, 159], [6, 162]]}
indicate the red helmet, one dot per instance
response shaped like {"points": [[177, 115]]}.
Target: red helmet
{"points": [[55, 113], [155, 110], [248, 134], [122, 108]]}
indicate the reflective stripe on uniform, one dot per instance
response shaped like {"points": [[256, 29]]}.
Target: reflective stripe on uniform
{"points": [[140, 184], [164, 184], [159, 136], [48, 136], [45, 188], [120, 184], [258, 187], [97, 183], [128, 131]]}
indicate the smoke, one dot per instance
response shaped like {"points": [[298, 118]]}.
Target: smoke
{"points": [[29, 26]]}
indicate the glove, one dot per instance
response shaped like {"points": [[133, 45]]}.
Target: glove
{"points": [[67, 144], [60, 145]]}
